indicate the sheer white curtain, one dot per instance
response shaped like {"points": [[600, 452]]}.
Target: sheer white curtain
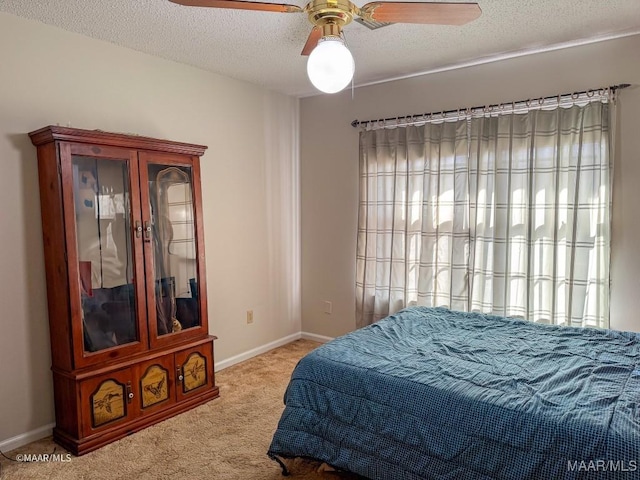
{"points": [[539, 203], [506, 214], [413, 234]]}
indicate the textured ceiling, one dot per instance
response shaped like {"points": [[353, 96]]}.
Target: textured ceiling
{"points": [[264, 47]]}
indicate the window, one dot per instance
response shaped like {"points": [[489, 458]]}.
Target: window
{"points": [[501, 214]]}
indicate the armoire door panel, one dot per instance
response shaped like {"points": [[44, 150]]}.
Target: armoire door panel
{"points": [[155, 383], [104, 258], [172, 248], [194, 370], [107, 401]]}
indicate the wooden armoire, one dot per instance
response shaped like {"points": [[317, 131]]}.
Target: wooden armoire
{"points": [[126, 282]]}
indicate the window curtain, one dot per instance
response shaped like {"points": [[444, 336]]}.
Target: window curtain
{"points": [[505, 214]]}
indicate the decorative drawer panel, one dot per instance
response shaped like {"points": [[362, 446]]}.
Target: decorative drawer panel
{"points": [[155, 384], [194, 370], [106, 401]]}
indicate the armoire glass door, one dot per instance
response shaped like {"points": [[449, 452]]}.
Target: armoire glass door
{"points": [[171, 248], [106, 258]]}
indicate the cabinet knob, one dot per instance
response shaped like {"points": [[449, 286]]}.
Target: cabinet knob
{"points": [[129, 393], [138, 229], [179, 375]]}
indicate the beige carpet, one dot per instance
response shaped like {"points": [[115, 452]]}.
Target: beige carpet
{"points": [[225, 439]]}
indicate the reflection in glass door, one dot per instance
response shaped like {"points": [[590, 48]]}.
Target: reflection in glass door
{"points": [[105, 262], [172, 232]]}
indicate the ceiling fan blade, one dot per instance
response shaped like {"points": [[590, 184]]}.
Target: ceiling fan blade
{"points": [[241, 5], [421, 12], [312, 41]]}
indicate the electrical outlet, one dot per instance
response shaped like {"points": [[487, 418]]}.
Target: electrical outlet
{"points": [[328, 307], [249, 317]]}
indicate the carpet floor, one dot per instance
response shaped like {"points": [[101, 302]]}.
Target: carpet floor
{"points": [[225, 439]]}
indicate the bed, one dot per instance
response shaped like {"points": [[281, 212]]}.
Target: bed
{"points": [[430, 393]]}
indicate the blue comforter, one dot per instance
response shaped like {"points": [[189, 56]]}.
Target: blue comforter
{"points": [[430, 393]]}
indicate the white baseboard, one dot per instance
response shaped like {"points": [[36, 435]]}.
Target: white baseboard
{"points": [[315, 337], [256, 351], [24, 438]]}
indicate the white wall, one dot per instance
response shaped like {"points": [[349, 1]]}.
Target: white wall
{"points": [[329, 163], [249, 182]]}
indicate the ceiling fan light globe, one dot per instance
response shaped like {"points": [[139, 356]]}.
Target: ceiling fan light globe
{"points": [[330, 66]]}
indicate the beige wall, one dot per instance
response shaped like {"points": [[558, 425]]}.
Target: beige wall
{"points": [[48, 76], [329, 163]]}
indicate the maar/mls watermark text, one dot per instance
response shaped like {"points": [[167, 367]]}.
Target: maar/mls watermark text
{"points": [[43, 457], [602, 465]]}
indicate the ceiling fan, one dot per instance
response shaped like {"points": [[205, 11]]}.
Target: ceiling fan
{"points": [[330, 66]]}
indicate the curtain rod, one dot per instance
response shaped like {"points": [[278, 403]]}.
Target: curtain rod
{"points": [[410, 119]]}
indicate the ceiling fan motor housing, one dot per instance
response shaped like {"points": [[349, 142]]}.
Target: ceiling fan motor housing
{"points": [[331, 15]]}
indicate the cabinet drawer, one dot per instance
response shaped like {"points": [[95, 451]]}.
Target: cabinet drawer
{"points": [[155, 384], [106, 401], [194, 370]]}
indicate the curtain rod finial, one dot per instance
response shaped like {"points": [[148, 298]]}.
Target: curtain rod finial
{"points": [[355, 123]]}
